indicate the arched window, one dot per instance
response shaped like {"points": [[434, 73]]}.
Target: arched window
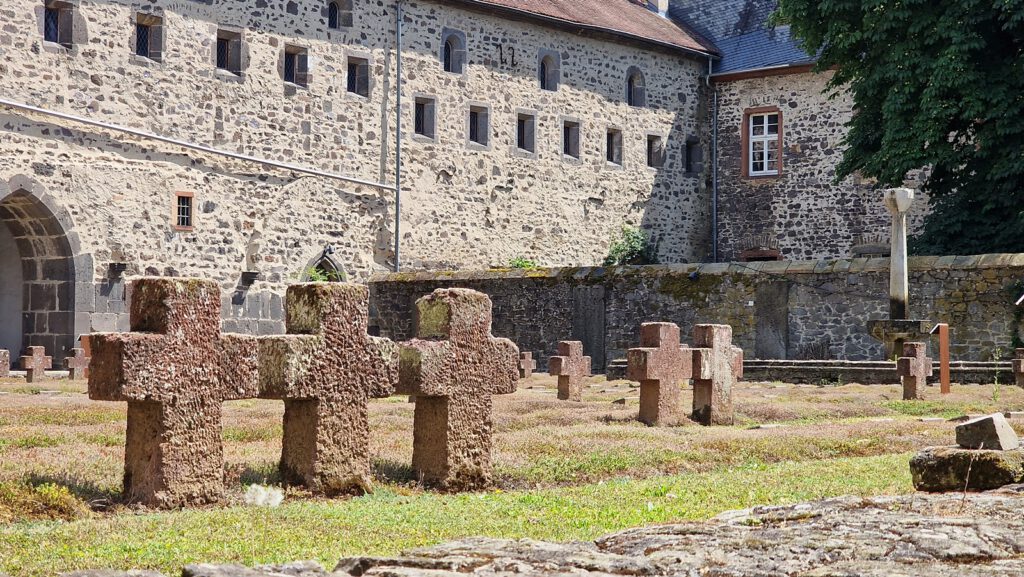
{"points": [[548, 70], [453, 51], [636, 89], [339, 14], [325, 268]]}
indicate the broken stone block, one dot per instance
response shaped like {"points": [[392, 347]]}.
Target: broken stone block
{"points": [[938, 469], [989, 432], [175, 370], [77, 364], [570, 366], [326, 369], [914, 368], [5, 364], [35, 364], [714, 374], [526, 365], [453, 367], [662, 366]]}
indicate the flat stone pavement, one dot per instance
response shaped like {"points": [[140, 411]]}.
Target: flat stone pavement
{"points": [[920, 535]]}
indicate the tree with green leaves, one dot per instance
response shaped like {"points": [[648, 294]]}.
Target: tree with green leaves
{"points": [[936, 84]]}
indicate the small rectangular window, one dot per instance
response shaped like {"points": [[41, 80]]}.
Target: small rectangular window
{"points": [[424, 117], [183, 211], [655, 151], [526, 125], [58, 23], [694, 155], [571, 139], [613, 146], [479, 125], [229, 51], [296, 65], [359, 76], [763, 144], [149, 34]]}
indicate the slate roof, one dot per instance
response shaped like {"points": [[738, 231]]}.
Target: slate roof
{"points": [[618, 17], [740, 30]]}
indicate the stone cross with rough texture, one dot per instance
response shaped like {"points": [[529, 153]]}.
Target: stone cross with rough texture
{"points": [[914, 368], [1018, 367], [175, 370], [77, 365], [5, 363], [326, 369], [35, 364], [526, 365], [715, 372], [570, 366], [662, 365], [453, 367]]}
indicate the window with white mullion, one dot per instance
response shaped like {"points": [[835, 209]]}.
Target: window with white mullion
{"points": [[764, 144]]}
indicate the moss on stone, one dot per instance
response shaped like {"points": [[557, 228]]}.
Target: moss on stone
{"points": [[696, 291]]}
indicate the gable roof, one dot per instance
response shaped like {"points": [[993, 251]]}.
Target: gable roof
{"points": [[740, 30], [619, 18]]}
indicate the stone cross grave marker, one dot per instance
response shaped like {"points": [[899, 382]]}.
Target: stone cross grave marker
{"points": [[175, 370], [5, 363], [35, 364], [526, 365], [914, 368], [570, 366], [1018, 367], [453, 367], [662, 365], [326, 369], [715, 372], [77, 365]]}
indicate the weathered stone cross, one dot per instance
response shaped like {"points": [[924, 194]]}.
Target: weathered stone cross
{"points": [[914, 368], [5, 363], [35, 363], [175, 370], [716, 366], [570, 366], [326, 369], [526, 365], [1018, 367], [662, 366], [77, 364], [453, 368]]}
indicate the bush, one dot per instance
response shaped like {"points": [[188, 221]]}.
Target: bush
{"points": [[631, 248]]}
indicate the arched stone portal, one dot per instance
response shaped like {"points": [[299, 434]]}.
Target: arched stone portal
{"points": [[38, 270]]}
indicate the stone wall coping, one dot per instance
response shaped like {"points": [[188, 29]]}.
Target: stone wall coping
{"points": [[844, 266]]}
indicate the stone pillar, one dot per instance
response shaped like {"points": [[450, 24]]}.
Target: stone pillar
{"points": [[898, 201]]}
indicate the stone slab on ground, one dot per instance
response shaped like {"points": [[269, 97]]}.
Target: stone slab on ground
{"points": [[946, 469], [988, 432]]}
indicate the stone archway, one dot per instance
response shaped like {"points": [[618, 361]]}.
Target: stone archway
{"points": [[41, 272]]}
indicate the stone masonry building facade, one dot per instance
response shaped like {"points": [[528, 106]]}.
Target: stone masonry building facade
{"points": [[251, 142]]}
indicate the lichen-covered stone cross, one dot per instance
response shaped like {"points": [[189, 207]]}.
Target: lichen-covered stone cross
{"points": [[453, 367], [35, 363], [326, 369], [175, 370], [77, 364], [570, 366], [716, 367], [661, 365], [526, 365], [914, 368]]}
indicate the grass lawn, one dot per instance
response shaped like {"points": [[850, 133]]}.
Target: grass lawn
{"points": [[564, 471]]}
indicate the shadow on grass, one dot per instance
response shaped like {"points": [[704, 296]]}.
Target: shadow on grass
{"points": [[387, 471], [266, 473], [96, 497]]}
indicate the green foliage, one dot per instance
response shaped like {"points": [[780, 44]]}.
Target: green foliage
{"points": [[631, 248], [523, 263], [936, 83], [320, 275], [22, 501]]}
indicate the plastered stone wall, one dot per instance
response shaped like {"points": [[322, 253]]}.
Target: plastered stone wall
{"points": [[462, 206], [794, 310], [809, 215]]}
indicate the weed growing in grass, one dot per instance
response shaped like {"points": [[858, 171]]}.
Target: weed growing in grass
{"points": [[22, 501], [38, 442]]}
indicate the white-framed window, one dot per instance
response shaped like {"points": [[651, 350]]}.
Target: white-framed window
{"points": [[763, 132]]}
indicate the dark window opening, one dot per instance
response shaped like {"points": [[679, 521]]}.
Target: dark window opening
{"points": [[613, 147], [183, 212], [58, 23], [694, 155], [479, 125], [359, 76], [571, 139], [525, 132], [636, 91], [548, 73], [453, 53], [655, 151], [149, 32], [229, 51], [339, 14], [296, 65], [424, 117]]}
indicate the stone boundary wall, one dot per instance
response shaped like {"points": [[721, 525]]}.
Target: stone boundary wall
{"points": [[778, 310]]}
